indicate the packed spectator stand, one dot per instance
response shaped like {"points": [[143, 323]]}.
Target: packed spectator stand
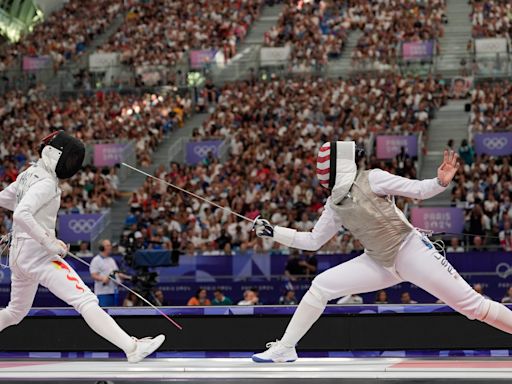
{"points": [[315, 32], [386, 25], [491, 18], [484, 183], [103, 116], [274, 129], [491, 107], [65, 34], [160, 33]]}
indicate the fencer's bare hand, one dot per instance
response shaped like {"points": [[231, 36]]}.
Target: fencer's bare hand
{"points": [[448, 168]]}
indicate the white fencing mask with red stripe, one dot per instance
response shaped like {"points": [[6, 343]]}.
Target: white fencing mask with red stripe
{"points": [[336, 167]]}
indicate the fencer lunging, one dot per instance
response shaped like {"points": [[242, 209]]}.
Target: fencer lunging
{"points": [[394, 250], [36, 256]]}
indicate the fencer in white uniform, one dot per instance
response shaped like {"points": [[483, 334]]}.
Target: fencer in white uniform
{"points": [[394, 250], [36, 256]]}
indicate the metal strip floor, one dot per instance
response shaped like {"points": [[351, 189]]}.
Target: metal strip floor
{"points": [[344, 370]]}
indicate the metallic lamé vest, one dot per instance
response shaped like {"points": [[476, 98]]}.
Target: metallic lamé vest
{"points": [[374, 220]]}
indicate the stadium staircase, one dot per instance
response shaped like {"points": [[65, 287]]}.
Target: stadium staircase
{"points": [[451, 122], [249, 49], [120, 209], [64, 77], [456, 36], [343, 65]]}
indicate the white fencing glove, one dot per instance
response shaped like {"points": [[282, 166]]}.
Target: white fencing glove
{"points": [[263, 228], [56, 247]]}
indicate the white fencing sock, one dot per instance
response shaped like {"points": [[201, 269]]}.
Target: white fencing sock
{"points": [[7, 319], [499, 317], [106, 327], [309, 310]]}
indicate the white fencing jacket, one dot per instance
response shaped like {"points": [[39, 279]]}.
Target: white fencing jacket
{"points": [[381, 183], [35, 200]]}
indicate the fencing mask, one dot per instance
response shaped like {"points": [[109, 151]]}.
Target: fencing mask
{"points": [[62, 153], [336, 167]]}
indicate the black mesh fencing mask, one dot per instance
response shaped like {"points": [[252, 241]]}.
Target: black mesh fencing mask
{"points": [[72, 153]]}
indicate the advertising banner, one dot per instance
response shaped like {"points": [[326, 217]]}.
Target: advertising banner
{"points": [[34, 63], [76, 227], [265, 272], [388, 146], [272, 56], [201, 57], [418, 50], [494, 144], [438, 219], [108, 155], [100, 62], [199, 150], [490, 46]]}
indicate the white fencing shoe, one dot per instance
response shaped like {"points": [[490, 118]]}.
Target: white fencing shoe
{"points": [[276, 353], [145, 347]]}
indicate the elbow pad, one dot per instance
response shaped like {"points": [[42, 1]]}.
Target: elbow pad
{"points": [[284, 235]]}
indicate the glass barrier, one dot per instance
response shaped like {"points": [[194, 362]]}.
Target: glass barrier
{"points": [[245, 64]]}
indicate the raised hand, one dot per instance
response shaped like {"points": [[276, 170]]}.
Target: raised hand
{"points": [[448, 168]]}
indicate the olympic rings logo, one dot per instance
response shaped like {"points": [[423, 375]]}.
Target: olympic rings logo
{"points": [[203, 150], [503, 270], [495, 142], [81, 225]]}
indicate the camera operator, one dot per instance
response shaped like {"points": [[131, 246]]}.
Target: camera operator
{"points": [[103, 266]]}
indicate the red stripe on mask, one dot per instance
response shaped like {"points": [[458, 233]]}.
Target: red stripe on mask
{"points": [[322, 171], [323, 159]]}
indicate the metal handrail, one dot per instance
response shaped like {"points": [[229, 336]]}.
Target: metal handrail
{"points": [[176, 151], [99, 226]]}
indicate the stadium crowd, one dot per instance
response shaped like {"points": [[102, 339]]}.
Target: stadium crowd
{"points": [[491, 106], [160, 33], [483, 186], [386, 25], [274, 129], [315, 31], [65, 34], [26, 118], [101, 116], [491, 18], [484, 183]]}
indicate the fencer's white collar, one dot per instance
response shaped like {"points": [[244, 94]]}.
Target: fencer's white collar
{"points": [[49, 158], [346, 170]]}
